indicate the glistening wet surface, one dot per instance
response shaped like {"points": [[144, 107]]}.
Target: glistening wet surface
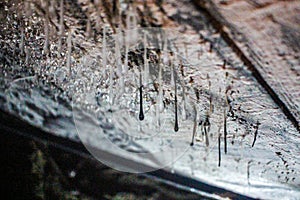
{"points": [[184, 75]]}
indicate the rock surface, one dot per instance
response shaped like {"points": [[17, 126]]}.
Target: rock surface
{"points": [[48, 89]]}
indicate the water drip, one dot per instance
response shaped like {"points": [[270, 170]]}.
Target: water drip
{"points": [[176, 127], [141, 113]]}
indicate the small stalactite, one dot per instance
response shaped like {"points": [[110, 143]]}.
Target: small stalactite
{"points": [[248, 171], [184, 107], [22, 41], [27, 56], [206, 136], [119, 61], [104, 64], [118, 52], [98, 19], [104, 49], [255, 133], [88, 31], [159, 106], [128, 34], [225, 132], [211, 103], [51, 9], [172, 82], [195, 125], [219, 148], [146, 63], [181, 68], [211, 109], [200, 52], [160, 90], [61, 26], [46, 29], [165, 54], [111, 83], [210, 47], [186, 49], [200, 124], [206, 127], [126, 52], [225, 112], [116, 12], [176, 127], [141, 112], [69, 48], [131, 23], [197, 94], [27, 9], [224, 64]]}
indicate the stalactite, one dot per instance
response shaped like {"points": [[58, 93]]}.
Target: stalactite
{"points": [[69, 47], [210, 47], [225, 110], [126, 52], [51, 9], [176, 127], [224, 64], [46, 29], [159, 107], [98, 19], [104, 49], [160, 91], [61, 26], [206, 127], [186, 50], [131, 24], [210, 96], [27, 56], [195, 125], [47, 43], [255, 133], [225, 132], [172, 82], [184, 106], [88, 32], [27, 9], [219, 149], [118, 61], [146, 64], [22, 41], [165, 52], [141, 112], [111, 82], [118, 54]]}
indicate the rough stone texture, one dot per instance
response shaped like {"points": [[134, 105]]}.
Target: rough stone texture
{"points": [[269, 169], [267, 32]]}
